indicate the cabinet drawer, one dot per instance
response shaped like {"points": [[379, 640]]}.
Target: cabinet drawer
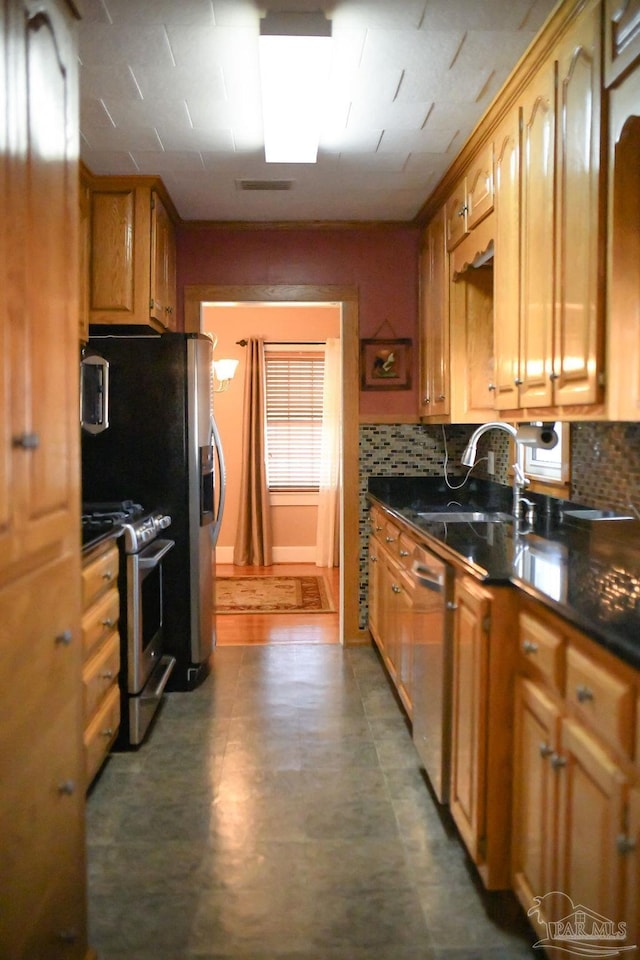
{"points": [[605, 700], [543, 647], [99, 575], [100, 673], [99, 620], [101, 732]]}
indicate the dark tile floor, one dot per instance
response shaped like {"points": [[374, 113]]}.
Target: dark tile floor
{"points": [[279, 812]]}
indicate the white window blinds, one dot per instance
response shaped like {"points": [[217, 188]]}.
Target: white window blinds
{"points": [[293, 410]]}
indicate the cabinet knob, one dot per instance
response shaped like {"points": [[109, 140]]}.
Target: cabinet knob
{"points": [[67, 788], [529, 646], [390, 539], [108, 732], [545, 750], [463, 209], [68, 936], [404, 553], [584, 694], [26, 441], [491, 386], [557, 762], [554, 376], [625, 844], [426, 400], [107, 575], [374, 559], [441, 397], [396, 588], [107, 623], [107, 675], [451, 605], [518, 382], [64, 638]]}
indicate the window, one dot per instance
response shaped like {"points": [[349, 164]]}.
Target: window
{"points": [[550, 466], [293, 411]]}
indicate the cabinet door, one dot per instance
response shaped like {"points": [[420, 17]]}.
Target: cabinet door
{"points": [[434, 327], [622, 37], [591, 810], [623, 282], [578, 339], [456, 215], [84, 241], [374, 589], [537, 246], [40, 494], [163, 265], [469, 728], [506, 263], [534, 839], [480, 187], [471, 333], [629, 846]]}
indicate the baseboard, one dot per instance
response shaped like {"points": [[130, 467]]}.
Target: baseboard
{"points": [[280, 554]]}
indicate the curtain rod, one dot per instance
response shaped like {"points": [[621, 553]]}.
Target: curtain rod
{"points": [[287, 343]]}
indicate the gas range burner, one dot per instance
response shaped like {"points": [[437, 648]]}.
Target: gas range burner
{"points": [[110, 513]]}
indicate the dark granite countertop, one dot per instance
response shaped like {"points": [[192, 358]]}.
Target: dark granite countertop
{"points": [[587, 572]]}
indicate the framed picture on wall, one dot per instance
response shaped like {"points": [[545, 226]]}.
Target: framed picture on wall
{"points": [[385, 364]]}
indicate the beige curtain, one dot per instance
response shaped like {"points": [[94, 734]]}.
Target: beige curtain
{"points": [[328, 532], [253, 533]]}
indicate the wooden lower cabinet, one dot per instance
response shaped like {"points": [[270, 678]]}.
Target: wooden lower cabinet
{"points": [[481, 747], [575, 812], [101, 645]]}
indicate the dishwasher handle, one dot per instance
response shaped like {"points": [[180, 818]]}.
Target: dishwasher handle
{"points": [[427, 577]]}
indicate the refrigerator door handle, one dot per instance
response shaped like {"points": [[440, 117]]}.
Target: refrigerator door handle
{"points": [[217, 523]]}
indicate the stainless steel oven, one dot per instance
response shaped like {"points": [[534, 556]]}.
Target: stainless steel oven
{"points": [[147, 667]]}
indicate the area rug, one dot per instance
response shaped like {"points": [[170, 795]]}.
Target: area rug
{"points": [[273, 595]]}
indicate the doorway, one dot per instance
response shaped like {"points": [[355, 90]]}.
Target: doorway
{"points": [[347, 297]]}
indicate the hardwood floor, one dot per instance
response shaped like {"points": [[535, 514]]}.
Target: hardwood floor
{"points": [[258, 628]]}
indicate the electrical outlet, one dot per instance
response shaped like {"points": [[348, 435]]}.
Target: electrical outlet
{"points": [[491, 463]]}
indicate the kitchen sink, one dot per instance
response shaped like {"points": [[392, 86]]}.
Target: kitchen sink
{"points": [[465, 516]]}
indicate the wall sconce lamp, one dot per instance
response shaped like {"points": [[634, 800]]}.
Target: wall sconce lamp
{"points": [[295, 59], [223, 374], [222, 371]]}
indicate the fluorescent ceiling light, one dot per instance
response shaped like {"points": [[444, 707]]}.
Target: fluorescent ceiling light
{"points": [[295, 58]]}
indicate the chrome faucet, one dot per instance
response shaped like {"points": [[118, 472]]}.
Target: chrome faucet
{"points": [[519, 480]]}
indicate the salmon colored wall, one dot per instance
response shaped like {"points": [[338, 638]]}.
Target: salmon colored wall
{"points": [[381, 261], [292, 526]]}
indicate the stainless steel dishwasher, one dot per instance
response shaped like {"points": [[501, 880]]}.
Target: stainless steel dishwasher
{"points": [[432, 666]]}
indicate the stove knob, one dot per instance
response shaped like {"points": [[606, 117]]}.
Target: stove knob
{"points": [[163, 522]]}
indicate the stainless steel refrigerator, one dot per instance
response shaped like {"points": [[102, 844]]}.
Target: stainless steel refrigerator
{"points": [[162, 449]]}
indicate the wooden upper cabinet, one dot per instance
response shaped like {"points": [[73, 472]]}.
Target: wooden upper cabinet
{"points": [[622, 37], [84, 253], [163, 265], [456, 215], [132, 268], [578, 335], [479, 192], [506, 262], [537, 252], [39, 481], [623, 283], [434, 322]]}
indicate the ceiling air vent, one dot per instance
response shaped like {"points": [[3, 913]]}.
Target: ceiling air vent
{"points": [[264, 184]]}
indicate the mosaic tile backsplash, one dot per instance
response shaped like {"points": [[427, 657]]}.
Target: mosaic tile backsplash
{"points": [[605, 465]]}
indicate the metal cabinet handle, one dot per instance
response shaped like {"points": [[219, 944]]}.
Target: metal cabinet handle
{"points": [[404, 553], [441, 396], [64, 638], [68, 936], [426, 400], [625, 844], [491, 386], [450, 605], [463, 209], [584, 693], [67, 788], [108, 732], [107, 575], [554, 376], [557, 762], [107, 623], [518, 382], [374, 559], [545, 750], [107, 675], [26, 441], [390, 539], [396, 588], [529, 646]]}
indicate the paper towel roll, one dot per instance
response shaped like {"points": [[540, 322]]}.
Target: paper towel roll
{"points": [[544, 437]]}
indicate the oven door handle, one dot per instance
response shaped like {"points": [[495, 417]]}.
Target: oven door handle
{"points": [[427, 578], [151, 556]]}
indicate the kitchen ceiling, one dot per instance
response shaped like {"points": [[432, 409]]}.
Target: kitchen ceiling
{"points": [[170, 88]]}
